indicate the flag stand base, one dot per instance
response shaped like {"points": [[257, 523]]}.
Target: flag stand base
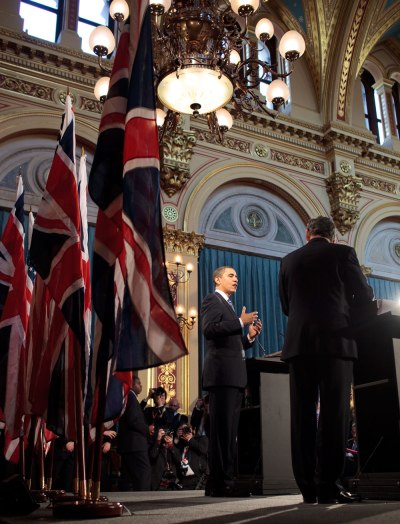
{"points": [[86, 509]]}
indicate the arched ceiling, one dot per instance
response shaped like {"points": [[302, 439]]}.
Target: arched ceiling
{"points": [[340, 36]]}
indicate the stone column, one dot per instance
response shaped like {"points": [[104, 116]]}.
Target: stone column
{"points": [[9, 15], [384, 90], [69, 36]]}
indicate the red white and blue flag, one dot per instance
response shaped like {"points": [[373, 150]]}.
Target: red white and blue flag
{"points": [[58, 329], [15, 297], [136, 322]]}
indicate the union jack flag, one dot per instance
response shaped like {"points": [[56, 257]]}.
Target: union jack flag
{"points": [[58, 337], [136, 323], [15, 297]]}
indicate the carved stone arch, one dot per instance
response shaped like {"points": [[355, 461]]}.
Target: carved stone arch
{"points": [[375, 68], [45, 123], [377, 213], [274, 179]]}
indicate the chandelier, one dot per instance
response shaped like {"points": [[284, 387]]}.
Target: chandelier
{"points": [[205, 60]]}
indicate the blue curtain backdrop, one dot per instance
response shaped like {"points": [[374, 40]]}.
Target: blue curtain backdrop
{"points": [[257, 290], [383, 288]]}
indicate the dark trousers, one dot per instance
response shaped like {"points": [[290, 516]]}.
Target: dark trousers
{"points": [[318, 446], [224, 410], [137, 465]]}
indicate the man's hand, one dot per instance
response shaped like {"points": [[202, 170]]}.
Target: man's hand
{"points": [[248, 318], [255, 329]]}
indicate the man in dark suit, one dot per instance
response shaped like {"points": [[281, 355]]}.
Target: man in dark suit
{"points": [[224, 375], [133, 443], [321, 285]]}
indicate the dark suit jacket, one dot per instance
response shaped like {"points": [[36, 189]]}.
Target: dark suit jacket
{"points": [[224, 341], [133, 431], [319, 285]]}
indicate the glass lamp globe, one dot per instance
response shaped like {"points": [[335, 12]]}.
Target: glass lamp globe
{"points": [[160, 116], [244, 7], [264, 29], [101, 88], [160, 6], [119, 10], [195, 91], [102, 41], [277, 92], [234, 57], [292, 45], [224, 118]]}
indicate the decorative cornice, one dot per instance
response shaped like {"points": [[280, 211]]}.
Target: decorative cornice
{"points": [[381, 185], [344, 192], [297, 161], [236, 144], [178, 241], [26, 88]]}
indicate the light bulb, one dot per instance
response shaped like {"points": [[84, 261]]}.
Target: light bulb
{"points": [[178, 259], [119, 10], [160, 116], [244, 7], [264, 29], [292, 45], [193, 313], [277, 92], [102, 41], [101, 88], [189, 268], [234, 57], [180, 310], [224, 118]]}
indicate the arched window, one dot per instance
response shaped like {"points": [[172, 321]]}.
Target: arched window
{"points": [[372, 111]]}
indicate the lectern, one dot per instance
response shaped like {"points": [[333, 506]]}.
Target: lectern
{"points": [[377, 405], [264, 454]]}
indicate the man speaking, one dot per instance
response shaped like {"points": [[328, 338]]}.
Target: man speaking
{"points": [[224, 375]]}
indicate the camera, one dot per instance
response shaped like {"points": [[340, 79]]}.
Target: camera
{"points": [[186, 430], [152, 392]]}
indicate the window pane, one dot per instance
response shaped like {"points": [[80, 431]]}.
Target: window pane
{"points": [[39, 22], [94, 10], [84, 31], [48, 3]]}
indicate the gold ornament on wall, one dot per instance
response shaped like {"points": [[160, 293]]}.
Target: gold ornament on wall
{"points": [[167, 378], [178, 241], [344, 193], [176, 153]]}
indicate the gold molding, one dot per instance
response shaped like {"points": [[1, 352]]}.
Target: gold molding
{"points": [[344, 192], [178, 241], [348, 59], [176, 153]]}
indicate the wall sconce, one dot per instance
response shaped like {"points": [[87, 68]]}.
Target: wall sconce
{"points": [[177, 276], [183, 321]]}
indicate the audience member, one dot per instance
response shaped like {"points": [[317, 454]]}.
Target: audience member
{"points": [[193, 450], [133, 440], [177, 418], [165, 462]]}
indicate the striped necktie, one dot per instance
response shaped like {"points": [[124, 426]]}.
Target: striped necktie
{"points": [[231, 304]]}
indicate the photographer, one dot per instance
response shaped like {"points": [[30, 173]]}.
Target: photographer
{"points": [[160, 415], [165, 461], [193, 453]]}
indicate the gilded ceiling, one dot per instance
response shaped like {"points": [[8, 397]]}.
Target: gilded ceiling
{"points": [[340, 36]]}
